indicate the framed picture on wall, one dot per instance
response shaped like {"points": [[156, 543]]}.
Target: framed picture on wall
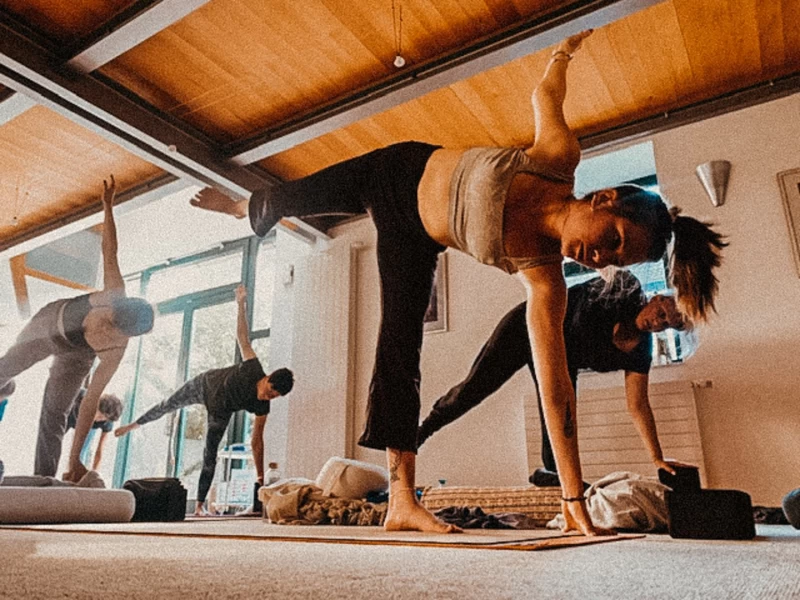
{"points": [[790, 190], [436, 315]]}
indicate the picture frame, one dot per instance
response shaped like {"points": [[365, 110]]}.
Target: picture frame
{"points": [[435, 320], [789, 182]]}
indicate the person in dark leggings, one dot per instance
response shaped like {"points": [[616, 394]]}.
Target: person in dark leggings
{"points": [[508, 207], [223, 392], [75, 332], [608, 327]]}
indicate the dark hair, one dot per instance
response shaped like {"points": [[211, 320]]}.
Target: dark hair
{"points": [[695, 254], [111, 406], [282, 381], [132, 316]]}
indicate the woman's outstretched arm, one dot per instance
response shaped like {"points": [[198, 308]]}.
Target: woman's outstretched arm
{"points": [[547, 300], [555, 145], [112, 276]]}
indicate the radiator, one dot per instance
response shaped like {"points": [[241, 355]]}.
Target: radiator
{"points": [[608, 439]]}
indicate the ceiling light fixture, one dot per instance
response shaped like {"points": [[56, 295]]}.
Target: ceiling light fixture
{"points": [[397, 23]]}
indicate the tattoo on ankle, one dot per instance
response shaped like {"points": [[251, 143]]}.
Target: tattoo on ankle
{"points": [[394, 465], [569, 424]]}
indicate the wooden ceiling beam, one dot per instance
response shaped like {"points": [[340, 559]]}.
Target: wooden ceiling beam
{"points": [[100, 106], [136, 28], [418, 80], [600, 141], [12, 105]]}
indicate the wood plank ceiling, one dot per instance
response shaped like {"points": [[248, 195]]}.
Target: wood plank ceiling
{"points": [[295, 86]]}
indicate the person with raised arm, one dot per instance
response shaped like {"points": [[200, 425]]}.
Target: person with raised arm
{"points": [[513, 208], [243, 386], [76, 332]]}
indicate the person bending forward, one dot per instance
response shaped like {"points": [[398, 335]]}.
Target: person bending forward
{"points": [[223, 392]]}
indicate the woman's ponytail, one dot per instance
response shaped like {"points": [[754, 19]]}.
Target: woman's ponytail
{"points": [[695, 255]]}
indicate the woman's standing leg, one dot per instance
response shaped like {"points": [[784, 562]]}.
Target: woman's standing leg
{"points": [[407, 260], [66, 376]]}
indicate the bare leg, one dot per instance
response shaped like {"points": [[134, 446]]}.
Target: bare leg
{"points": [[405, 512]]}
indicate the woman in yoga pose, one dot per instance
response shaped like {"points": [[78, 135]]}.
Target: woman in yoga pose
{"points": [[508, 207]]}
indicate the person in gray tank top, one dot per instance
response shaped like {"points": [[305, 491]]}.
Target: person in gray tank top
{"points": [[511, 208], [75, 332]]}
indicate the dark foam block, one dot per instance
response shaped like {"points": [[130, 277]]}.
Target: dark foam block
{"points": [[711, 515]]}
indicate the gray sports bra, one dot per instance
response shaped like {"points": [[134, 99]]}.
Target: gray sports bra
{"points": [[478, 191]]}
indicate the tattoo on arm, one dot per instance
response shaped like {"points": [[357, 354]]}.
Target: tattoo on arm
{"points": [[569, 424], [394, 465]]}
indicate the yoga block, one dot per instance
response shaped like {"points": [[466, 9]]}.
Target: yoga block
{"points": [[686, 479], [710, 515]]}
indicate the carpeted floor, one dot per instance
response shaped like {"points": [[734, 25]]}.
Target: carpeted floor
{"points": [[43, 564]]}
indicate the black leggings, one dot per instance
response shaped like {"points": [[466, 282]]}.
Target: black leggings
{"points": [[195, 391], [505, 352], [384, 184]]}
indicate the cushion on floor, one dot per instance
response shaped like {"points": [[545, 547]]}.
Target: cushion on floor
{"points": [[64, 505], [347, 478]]}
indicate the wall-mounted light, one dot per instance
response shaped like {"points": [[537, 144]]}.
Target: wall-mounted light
{"points": [[714, 177]]}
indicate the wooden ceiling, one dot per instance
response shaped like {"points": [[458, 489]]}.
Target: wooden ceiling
{"points": [[238, 93]]}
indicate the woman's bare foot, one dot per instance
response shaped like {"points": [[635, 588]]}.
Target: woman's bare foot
{"points": [[407, 514], [214, 200]]}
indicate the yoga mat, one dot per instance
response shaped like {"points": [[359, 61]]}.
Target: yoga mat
{"points": [[250, 529]]}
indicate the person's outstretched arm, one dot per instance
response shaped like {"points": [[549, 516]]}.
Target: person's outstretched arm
{"points": [[547, 301], [98, 453], [555, 146], [638, 400], [242, 326], [257, 445], [109, 362], [112, 276]]}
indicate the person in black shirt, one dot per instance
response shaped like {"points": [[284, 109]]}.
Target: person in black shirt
{"points": [[109, 409], [607, 327], [223, 392]]}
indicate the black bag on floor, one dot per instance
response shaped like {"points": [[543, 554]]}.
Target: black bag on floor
{"points": [[158, 499]]}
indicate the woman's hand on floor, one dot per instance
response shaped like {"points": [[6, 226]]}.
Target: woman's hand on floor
{"points": [[576, 518]]}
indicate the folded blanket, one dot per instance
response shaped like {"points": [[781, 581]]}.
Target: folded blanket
{"points": [[300, 503], [624, 500]]}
